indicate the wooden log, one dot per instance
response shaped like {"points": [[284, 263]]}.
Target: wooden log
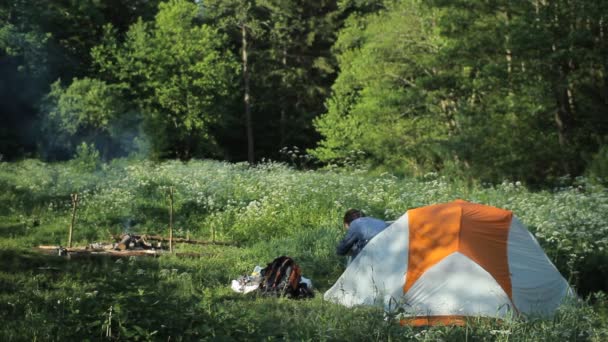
{"points": [[125, 240], [142, 243], [135, 252], [75, 252], [48, 247], [101, 246], [71, 250], [180, 240]]}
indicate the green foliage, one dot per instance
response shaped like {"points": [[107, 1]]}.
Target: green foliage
{"points": [[29, 46], [24, 70], [87, 158], [527, 96], [485, 90], [598, 170], [177, 74], [379, 106], [92, 112], [290, 68], [40, 42], [86, 105], [478, 90]]}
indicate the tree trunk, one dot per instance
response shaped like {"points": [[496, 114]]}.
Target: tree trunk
{"points": [[508, 52], [560, 117], [560, 69], [563, 115], [283, 119], [246, 98], [171, 219]]}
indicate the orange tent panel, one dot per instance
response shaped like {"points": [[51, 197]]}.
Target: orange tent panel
{"points": [[483, 238], [433, 235], [477, 231], [433, 320]]}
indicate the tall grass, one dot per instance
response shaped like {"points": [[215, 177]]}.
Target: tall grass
{"points": [[270, 210]]}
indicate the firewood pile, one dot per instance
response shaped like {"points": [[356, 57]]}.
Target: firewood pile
{"points": [[136, 242], [129, 244]]}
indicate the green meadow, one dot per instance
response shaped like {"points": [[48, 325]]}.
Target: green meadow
{"points": [[268, 210]]}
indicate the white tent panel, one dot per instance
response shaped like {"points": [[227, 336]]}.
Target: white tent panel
{"points": [[538, 287], [378, 272], [456, 286]]}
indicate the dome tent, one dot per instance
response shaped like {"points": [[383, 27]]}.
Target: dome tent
{"points": [[442, 263]]}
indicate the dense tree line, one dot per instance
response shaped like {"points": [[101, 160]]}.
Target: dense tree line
{"points": [[515, 89], [175, 79]]}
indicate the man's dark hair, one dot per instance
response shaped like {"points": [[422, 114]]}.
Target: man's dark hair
{"points": [[351, 215]]}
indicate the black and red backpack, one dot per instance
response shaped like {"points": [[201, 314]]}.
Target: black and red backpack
{"points": [[282, 277]]}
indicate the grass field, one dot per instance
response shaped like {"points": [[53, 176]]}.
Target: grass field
{"points": [[270, 210]]}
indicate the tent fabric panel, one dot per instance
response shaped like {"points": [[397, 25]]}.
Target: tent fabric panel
{"points": [[423, 321], [377, 274], [456, 286], [483, 238], [458, 320], [538, 287], [433, 235]]}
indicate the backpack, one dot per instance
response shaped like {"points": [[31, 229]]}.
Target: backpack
{"points": [[281, 277]]}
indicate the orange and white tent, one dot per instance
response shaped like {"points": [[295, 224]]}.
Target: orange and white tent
{"points": [[442, 263]]}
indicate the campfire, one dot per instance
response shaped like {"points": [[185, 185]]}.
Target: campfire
{"points": [[128, 243]]}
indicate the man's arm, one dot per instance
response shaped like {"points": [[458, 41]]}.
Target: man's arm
{"points": [[347, 243]]}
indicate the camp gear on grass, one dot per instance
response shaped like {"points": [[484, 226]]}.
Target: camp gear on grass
{"points": [[283, 277]]}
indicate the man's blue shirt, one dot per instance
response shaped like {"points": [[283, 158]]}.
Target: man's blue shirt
{"points": [[359, 233]]}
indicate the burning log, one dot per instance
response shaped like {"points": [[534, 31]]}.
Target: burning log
{"points": [[130, 241]]}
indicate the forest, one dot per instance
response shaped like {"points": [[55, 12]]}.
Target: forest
{"points": [[484, 90]]}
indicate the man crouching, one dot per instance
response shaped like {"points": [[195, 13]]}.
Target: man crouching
{"points": [[360, 229]]}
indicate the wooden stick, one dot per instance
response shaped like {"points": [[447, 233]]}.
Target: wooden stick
{"points": [[171, 219], [74, 206]]}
